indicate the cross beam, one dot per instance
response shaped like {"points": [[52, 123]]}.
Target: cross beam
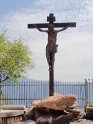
{"points": [[56, 25], [51, 19]]}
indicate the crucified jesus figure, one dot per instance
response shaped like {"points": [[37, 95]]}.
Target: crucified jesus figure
{"points": [[51, 47]]}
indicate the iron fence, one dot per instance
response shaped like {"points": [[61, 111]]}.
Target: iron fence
{"points": [[89, 91], [26, 92]]}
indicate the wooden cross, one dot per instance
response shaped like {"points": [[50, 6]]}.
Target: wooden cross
{"points": [[51, 19], [50, 57]]}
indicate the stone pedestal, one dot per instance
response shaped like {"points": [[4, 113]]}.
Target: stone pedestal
{"points": [[11, 114]]}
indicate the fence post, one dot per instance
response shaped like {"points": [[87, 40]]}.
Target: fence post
{"points": [[86, 93], [0, 92], [0, 96]]}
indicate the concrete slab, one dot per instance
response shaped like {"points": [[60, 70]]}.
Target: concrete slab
{"points": [[11, 113], [13, 107]]}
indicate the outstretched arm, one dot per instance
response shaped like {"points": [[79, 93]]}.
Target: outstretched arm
{"points": [[61, 29], [39, 29]]}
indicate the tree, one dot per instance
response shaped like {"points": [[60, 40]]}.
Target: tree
{"points": [[14, 59]]}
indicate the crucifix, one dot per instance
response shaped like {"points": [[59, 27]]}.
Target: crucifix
{"points": [[51, 47]]}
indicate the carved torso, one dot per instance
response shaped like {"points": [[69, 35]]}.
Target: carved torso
{"points": [[52, 36]]}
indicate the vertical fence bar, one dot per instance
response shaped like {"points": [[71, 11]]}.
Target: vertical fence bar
{"points": [[89, 90], [24, 92], [0, 95], [20, 93], [29, 95], [92, 90], [86, 93]]}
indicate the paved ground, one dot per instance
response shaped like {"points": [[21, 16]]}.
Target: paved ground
{"points": [[80, 121], [26, 122]]}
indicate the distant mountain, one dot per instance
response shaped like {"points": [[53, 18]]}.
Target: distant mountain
{"points": [[22, 80], [26, 80]]}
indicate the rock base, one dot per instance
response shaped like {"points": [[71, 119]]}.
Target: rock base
{"points": [[55, 109], [50, 116]]}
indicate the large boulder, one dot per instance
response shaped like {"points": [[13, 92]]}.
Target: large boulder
{"points": [[57, 102], [53, 109]]}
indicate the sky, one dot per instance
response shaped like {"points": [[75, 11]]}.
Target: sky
{"points": [[74, 59]]}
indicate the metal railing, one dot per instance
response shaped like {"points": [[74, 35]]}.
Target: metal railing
{"points": [[26, 92], [89, 91]]}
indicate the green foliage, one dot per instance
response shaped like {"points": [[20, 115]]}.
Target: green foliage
{"points": [[14, 59], [89, 105]]}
